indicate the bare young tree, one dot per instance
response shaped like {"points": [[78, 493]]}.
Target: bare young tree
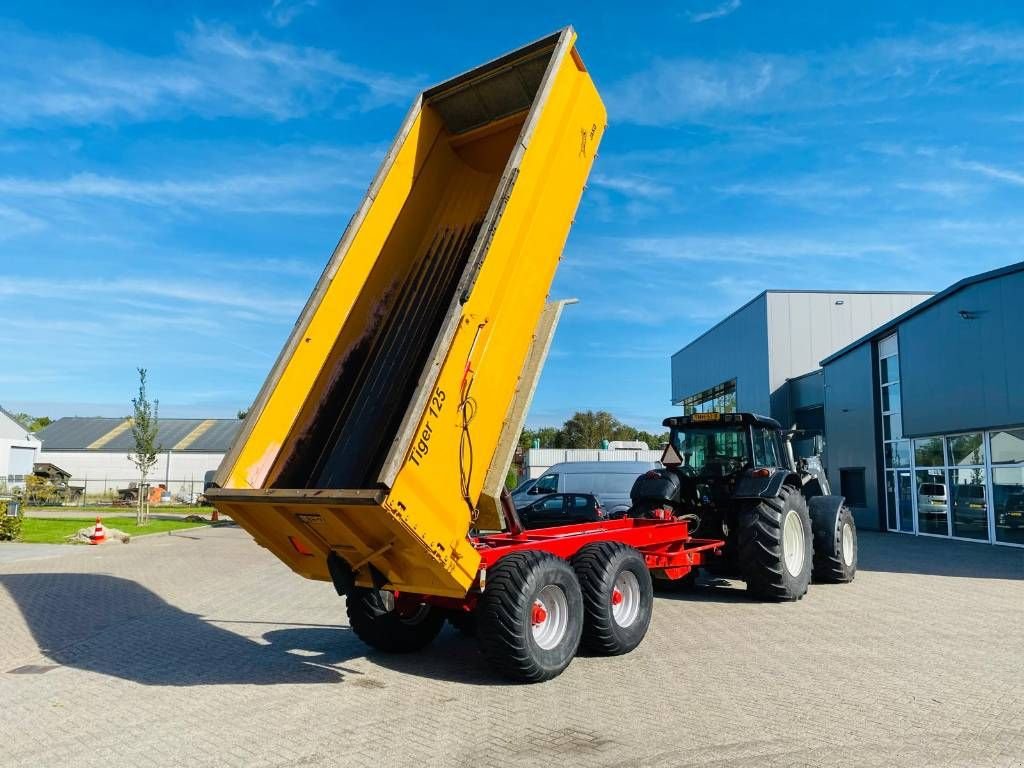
{"points": [[145, 423]]}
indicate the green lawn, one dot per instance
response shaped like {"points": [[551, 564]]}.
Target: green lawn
{"points": [[36, 530], [154, 509]]}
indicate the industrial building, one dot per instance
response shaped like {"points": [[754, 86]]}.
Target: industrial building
{"points": [[94, 451], [922, 414], [19, 449]]}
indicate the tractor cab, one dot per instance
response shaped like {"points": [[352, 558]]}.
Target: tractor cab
{"points": [[714, 445]]}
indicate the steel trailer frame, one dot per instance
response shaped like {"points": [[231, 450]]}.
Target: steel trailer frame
{"points": [[666, 547]]}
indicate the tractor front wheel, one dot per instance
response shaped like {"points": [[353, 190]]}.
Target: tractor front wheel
{"points": [[775, 553], [530, 617], [391, 625], [835, 547]]}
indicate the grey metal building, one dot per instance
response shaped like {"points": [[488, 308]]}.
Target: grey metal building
{"points": [[925, 415], [764, 356]]}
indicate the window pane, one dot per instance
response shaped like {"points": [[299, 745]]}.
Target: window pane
{"points": [[1008, 446], [891, 398], [932, 502], [887, 346], [897, 454], [892, 427], [1008, 500], [966, 449], [554, 504], [890, 370], [970, 507], [890, 499], [547, 484], [581, 502], [928, 452], [906, 504]]}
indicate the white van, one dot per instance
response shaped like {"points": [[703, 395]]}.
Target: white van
{"points": [[610, 481]]}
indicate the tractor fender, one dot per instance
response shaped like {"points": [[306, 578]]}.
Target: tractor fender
{"points": [[749, 486], [825, 513]]}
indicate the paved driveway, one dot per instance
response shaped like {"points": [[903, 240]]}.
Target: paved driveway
{"points": [[201, 649]]}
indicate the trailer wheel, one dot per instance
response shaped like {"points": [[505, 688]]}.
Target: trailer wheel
{"points": [[378, 622], [530, 617], [617, 597], [835, 548], [775, 546]]}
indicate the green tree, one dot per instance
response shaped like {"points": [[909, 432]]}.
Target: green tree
{"points": [[586, 429], [32, 423], [145, 425]]}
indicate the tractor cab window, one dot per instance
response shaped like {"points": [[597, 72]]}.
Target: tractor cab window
{"points": [[712, 451], [766, 452]]}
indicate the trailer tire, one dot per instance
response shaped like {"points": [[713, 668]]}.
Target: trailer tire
{"points": [[618, 597], [775, 552], [835, 548], [530, 617], [374, 619]]}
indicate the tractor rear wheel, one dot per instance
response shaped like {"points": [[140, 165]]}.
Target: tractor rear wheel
{"points": [[775, 551], [617, 597], [388, 626], [835, 547], [530, 617]]}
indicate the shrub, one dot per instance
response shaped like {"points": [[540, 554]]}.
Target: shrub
{"points": [[10, 527]]}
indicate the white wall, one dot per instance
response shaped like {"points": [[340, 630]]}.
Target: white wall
{"points": [[18, 451], [105, 472], [538, 460]]}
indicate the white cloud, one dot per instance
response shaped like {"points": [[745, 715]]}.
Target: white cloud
{"points": [[281, 13], [720, 10], [136, 289], [940, 59], [288, 181], [214, 72], [677, 90], [632, 186], [1013, 177]]}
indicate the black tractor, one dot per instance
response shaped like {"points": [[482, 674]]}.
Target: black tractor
{"points": [[733, 476]]}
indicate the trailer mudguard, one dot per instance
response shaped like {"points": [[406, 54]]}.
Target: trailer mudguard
{"points": [[751, 486]]}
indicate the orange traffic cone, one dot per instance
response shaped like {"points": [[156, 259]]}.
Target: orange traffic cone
{"points": [[99, 533]]}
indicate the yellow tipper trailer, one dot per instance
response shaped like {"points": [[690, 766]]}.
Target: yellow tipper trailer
{"points": [[384, 429]]}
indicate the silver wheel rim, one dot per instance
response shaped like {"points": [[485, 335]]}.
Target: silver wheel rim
{"points": [[847, 543], [626, 599], [387, 599], [549, 617], [793, 543]]}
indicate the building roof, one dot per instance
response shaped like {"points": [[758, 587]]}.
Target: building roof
{"points": [[800, 290], [89, 433], [885, 328]]}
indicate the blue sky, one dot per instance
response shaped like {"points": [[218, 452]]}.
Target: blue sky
{"points": [[173, 176]]}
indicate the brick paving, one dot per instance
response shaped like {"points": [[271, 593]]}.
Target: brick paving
{"points": [[201, 649]]}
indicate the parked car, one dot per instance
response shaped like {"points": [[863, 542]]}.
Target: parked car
{"points": [[932, 499], [1012, 515], [610, 481], [970, 508], [562, 509], [520, 491]]}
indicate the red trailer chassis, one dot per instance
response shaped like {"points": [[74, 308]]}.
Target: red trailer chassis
{"points": [[666, 545]]}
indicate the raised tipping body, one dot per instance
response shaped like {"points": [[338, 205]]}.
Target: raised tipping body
{"points": [[373, 434]]}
